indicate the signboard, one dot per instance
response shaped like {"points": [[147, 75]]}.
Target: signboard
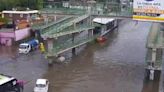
{"points": [[148, 10]]}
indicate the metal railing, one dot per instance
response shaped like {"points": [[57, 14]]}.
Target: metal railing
{"points": [[98, 8], [63, 27], [68, 45]]}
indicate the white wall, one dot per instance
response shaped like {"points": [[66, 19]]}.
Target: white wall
{"points": [[22, 33]]}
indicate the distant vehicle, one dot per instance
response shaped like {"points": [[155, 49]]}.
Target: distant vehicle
{"points": [[41, 85], [29, 46], [10, 84], [107, 25]]}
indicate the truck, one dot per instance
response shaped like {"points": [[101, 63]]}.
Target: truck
{"points": [[10, 84], [28, 46]]}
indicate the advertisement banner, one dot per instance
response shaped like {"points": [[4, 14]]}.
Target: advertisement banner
{"points": [[148, 10]]}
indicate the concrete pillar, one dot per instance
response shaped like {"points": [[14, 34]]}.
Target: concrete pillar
{"points": [[50, 42], [74, 25], [73, 40], [90, 33], [55, 18], [154, 53], [151, 74], [90, 20], [74, 51], [50, 61]]}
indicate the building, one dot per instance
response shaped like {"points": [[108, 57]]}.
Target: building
{"points": [[18, 28], [19, 15]]}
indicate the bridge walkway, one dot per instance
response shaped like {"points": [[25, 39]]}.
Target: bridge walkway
{"points": [[60, 48], [155, 44], [65, 27]]}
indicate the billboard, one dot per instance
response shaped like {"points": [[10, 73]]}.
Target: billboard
{"points": [[148, 10]]}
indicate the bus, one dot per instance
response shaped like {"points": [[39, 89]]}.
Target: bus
{"points": [[104, 26], [10, 84]]}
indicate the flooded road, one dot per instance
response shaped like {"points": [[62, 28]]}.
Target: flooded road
{"points": [[115, 66]]}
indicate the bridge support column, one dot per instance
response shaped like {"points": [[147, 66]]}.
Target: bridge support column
{"points": [[50, 44], [154, 53], [54, 17], [90, 20], [73, 40], [90, 33], [50, 61], [74, 51]]}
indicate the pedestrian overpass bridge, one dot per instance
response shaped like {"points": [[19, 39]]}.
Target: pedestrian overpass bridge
{"points": [[79, 20], [103, 9]]}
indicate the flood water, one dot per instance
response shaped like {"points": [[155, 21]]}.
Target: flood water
{"points": [[115, 66]]}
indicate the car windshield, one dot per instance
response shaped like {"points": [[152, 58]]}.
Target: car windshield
{"points": [[40, 85]]}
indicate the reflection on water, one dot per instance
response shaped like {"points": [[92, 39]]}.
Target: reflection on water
{"points": [[9, 51], [151, 86]]}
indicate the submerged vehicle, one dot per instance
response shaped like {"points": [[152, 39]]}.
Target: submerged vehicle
{"points": [[10, 84], [41, 85], [28, 46]]}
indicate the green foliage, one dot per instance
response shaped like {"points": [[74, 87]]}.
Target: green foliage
{"points": [[39, 4], [9, 4]]}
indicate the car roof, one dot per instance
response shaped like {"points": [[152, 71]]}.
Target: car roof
{"points": [[4, 79], [23, 44], [41, 81]]}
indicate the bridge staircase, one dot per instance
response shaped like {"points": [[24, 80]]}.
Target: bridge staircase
{"points": [[67, 34]]}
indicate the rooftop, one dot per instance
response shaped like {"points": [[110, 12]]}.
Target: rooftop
{"points": [[103, 20], [21, 12]]}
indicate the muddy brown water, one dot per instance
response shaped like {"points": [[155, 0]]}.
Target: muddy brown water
{"points": [[115, 66]]}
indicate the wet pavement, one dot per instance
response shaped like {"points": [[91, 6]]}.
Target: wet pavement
{"points": [[115, 66]]}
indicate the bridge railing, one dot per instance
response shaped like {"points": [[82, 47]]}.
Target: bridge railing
{"points": [[98, 8], [68, 45], [70, 31], [64, 26], [54, 26]]}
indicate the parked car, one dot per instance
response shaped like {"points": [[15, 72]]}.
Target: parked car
{"points": [[41, 85], [28, 46], [10, 84]]}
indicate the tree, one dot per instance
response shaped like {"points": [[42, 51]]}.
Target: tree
{"points": [[39, 4], [9, 4]]}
